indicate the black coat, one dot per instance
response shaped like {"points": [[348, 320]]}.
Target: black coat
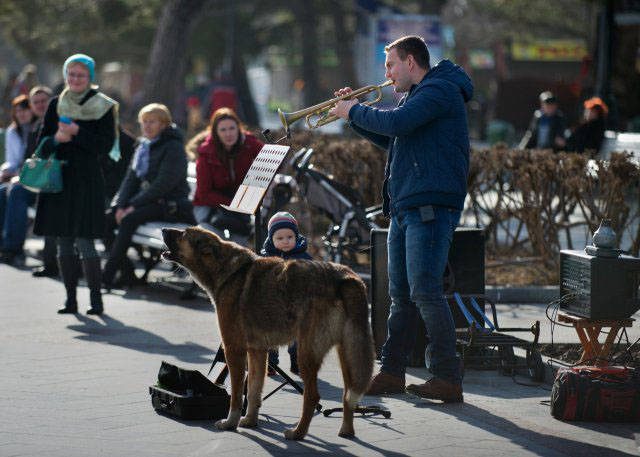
{"points": [[587, 136], [166, 178], [77, 211]]}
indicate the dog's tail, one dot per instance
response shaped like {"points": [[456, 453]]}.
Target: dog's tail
{"points": [[356, 351]]}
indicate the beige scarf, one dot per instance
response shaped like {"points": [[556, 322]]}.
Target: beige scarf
{"points": [[93, 109]]}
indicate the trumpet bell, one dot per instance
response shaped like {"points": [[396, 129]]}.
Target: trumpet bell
{"points": [[321, 110]]}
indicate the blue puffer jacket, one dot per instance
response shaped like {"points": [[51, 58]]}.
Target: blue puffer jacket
{"points": [[427, 140]]}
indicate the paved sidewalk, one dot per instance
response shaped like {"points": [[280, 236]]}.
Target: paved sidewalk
{"points": [[78, 386]]}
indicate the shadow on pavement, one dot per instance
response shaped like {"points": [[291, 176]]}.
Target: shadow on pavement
{"points": [[158, 294], [527, 438], [274, 429], [114, 332]]}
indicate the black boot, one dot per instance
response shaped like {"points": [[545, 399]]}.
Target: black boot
{"points": [[69, 270], [93, 275], [50, 268], [46, 271]]}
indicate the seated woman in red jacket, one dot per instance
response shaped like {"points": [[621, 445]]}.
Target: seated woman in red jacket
{"points": [[223, 159]]}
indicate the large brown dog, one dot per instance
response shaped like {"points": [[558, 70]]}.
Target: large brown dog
{"points": [[265, 302]]}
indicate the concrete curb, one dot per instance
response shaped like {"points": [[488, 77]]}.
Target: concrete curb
{"points": [[531, 294]]}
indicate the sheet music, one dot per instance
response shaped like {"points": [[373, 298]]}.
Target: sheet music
{"points": [[257, 180]]}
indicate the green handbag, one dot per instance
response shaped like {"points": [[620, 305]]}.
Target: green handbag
{"points": [[42, 175]]}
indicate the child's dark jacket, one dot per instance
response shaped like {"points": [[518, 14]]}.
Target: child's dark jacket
{"points": [[298, 252]]}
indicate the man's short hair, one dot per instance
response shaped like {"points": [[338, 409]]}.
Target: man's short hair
{"points": [[413, 45], [35, 90]]}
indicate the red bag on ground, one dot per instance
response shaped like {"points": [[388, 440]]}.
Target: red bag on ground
{"points": [[599, 394]]}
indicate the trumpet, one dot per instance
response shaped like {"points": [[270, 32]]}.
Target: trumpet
{"points": [[321, 110]]}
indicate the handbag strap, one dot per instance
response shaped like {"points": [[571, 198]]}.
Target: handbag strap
{"points": [[37, 152]]}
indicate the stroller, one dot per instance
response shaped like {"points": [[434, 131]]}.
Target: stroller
{"points": [[349, 232]]}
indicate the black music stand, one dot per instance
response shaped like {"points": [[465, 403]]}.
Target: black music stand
{"points": [[222, 376]]}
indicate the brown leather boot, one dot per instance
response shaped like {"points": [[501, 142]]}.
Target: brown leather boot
{"points": [[385, 383], [437, 389]]}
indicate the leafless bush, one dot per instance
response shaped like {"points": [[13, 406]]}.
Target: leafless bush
{"points": [[527, 200]]}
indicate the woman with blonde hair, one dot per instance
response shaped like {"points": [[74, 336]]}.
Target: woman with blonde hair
{"points": [[155, 188]]}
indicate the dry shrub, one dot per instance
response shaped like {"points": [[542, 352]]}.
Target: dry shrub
{"points": [[522, 197], [539, 191], [354, 162]]}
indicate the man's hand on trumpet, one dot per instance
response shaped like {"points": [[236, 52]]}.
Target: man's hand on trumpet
{"points": [[341, 109]]}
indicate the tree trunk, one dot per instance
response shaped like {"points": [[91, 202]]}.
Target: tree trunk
{"points": [[238, 69], [344, 47], [306, 13], [164, 79], [239, 73]]}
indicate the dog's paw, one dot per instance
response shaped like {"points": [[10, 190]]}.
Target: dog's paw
{"points": [[293, 434], [248, 422], [346, 432], [224, 424]]}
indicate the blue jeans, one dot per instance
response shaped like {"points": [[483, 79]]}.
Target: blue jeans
{"points": [[418, 253], [14, 202]]}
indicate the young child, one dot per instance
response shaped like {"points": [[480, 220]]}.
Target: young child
{"points": [[284, 240]]}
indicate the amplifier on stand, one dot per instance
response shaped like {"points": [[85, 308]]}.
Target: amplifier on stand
{"points": [[599, 287], [465, 275]]}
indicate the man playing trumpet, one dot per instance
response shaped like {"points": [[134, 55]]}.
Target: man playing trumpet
{"points": [[424, 190]]}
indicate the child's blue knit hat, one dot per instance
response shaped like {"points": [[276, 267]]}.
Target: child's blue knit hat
{"points": [[84, 60], [282, 220]]}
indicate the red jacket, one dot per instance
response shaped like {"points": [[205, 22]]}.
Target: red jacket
{"points": [[214, 185]]}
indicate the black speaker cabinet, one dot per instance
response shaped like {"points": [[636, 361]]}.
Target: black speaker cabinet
{"points": [[465, 275]]}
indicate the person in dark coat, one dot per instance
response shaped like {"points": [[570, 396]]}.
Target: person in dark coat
{"points": [[79, 126], [588, 136], [155, 188], [284, 240], [547, 126]]}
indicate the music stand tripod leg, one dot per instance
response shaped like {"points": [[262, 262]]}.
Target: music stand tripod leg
{"points": [[219, 357], [287, 380]]}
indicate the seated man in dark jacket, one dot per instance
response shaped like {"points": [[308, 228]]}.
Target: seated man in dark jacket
{"points": [[155, 188]]}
